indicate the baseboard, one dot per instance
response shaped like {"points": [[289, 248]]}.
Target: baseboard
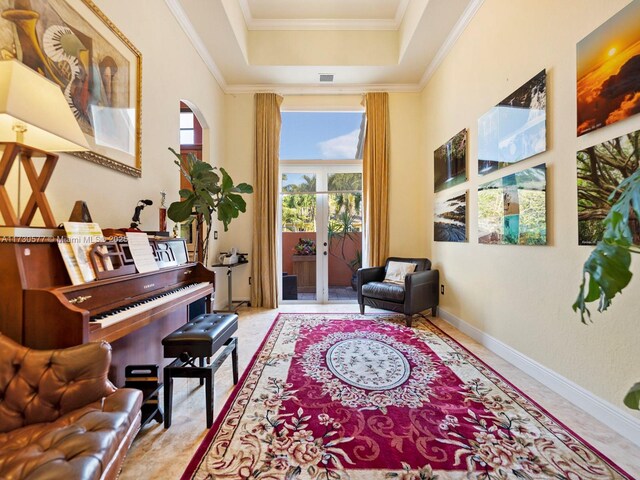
{"points": [[616, 419]]}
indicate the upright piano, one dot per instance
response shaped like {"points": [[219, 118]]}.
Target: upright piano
{"points": [[40, 308]]}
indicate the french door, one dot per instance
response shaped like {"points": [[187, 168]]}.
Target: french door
{"points": [[320, 232]]}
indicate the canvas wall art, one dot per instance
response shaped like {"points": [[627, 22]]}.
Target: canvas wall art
{"points": [[514, 129], [73, 44], [513, 209], [608, 62], [601, 168], [450, 162], [450, 219]]}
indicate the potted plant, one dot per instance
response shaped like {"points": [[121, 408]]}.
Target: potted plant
{"points": [[304, 264], [209, 193], [608, 265], [305, 246]]}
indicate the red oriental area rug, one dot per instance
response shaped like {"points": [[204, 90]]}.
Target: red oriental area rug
{"points": [[343, 396]]}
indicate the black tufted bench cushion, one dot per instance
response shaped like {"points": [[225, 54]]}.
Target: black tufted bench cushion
{"points": [[199, 339]]}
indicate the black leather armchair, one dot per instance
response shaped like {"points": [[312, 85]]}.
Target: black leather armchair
{"points": [[420, 290]]}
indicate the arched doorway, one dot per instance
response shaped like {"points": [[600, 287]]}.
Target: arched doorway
{"points": [[192, 141]]}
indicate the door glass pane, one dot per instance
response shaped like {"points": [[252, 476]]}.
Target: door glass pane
{"points": [[344, 182], [345, 236], [299, 239], [298, 182]]}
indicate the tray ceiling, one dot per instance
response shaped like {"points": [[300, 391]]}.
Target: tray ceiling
{"points": [[283, 45]]}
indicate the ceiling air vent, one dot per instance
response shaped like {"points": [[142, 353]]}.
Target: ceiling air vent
{"points": [[326, 77]]}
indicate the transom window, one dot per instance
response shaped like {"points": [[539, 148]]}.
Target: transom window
{"points": [[187, 128], [322, 135]]}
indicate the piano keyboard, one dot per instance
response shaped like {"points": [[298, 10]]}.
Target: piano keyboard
{"points": [[114, 316]]}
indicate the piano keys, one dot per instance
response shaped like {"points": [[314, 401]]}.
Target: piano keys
{"points": [[41, 309]]}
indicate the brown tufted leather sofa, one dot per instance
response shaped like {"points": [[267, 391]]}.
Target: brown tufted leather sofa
{"points": [[60, 417]]}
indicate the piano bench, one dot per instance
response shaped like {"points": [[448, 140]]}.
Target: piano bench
{"points": [[199, 339]]}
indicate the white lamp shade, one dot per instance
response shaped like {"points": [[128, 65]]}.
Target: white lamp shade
{"points": [[28, 98]]}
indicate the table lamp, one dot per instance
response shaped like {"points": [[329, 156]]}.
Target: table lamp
{"points": [[35, 119]]}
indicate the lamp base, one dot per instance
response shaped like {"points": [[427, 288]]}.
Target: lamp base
{"points": [[38, 183]]}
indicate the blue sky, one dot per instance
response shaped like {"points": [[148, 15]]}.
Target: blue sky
{"points": [[319, 135]]}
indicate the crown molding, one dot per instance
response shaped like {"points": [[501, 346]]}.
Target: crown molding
{"points": [[246, 12], [322, 23], [183, 20], [453, 36], [345, 89], [400, 12]]}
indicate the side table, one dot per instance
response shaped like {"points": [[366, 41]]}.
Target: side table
{"points": [[232, 307]]}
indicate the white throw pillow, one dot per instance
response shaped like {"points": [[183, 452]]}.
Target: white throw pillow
{"points": [[396, 271]]}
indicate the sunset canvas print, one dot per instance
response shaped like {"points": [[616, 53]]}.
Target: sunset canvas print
{"points": [[608, 68]]}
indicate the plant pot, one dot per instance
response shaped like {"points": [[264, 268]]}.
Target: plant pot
{"points": [[304, 267]]}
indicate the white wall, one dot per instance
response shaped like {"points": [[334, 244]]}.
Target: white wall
{"points": [[407, 172], [523, 295], [239, 131], [171, 71]]}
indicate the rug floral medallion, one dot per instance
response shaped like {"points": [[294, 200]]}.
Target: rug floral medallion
{"points": [[344, 396]]}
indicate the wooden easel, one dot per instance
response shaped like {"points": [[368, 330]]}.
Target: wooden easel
{"points": [[38, 184]]}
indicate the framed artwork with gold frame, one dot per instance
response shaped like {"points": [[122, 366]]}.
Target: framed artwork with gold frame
{"points": [[75, 45]]}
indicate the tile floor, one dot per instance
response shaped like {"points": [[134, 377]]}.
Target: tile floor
{"points": [[163, 454], [335, 293]]}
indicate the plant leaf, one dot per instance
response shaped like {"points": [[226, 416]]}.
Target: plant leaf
{"points": [[609, 262], [227, 183], [632, 398], [239, 202], [244, 188], [180, 211]]}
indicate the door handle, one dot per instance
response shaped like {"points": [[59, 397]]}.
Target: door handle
{"points": [[324, 253], [325, 244]]}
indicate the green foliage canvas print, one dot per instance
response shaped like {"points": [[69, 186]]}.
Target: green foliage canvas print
{"points": [[450, 162], [601, 169]]}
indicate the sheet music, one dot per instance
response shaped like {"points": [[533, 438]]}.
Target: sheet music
{"points": [[81, 236], [142, 252]]}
